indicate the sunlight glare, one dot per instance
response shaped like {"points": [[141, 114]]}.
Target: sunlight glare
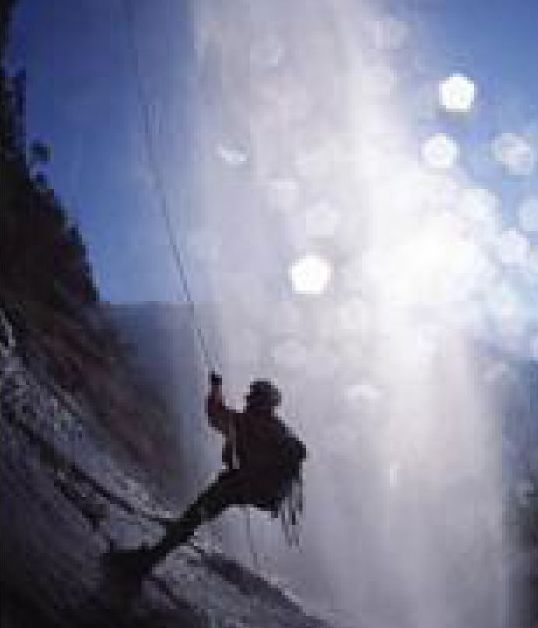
{"points": [[514, 153], [231, 155], [479, 207], [457, 93], [310, 274], [436, 265], [440, 152], [363, 392]]}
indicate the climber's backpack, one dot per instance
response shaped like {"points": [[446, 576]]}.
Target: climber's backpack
{"points": [[289, 503], [274, 456]]}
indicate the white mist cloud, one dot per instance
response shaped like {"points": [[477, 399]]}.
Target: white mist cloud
{"points": [[353, 262]]}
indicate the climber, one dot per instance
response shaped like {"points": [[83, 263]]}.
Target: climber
{"points": [[262, 468]]}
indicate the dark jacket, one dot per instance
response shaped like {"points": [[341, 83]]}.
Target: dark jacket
{"points": [[256, 441]]}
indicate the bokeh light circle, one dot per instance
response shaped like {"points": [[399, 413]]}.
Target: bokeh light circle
{"points": [[514, 153], [310, 274], [440, 151], [457, 93]]}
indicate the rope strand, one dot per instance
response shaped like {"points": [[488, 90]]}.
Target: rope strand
{"points": [[164, 208], [158, 185]]}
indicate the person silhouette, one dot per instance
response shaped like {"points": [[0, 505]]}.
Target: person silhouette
{"points": [[262, 459]]}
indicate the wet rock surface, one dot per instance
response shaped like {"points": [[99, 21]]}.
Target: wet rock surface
{"points": [[64, 500]]}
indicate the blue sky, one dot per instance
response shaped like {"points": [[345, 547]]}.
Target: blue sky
{"points": [[495, 42], [82, 100]]}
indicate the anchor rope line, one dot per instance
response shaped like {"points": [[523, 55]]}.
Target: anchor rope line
{"points": [[162, 198], [158, 183]]}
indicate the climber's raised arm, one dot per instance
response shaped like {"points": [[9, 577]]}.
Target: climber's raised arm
{"points": [[219, 415]]}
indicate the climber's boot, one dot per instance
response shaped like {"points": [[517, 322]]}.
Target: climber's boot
{"points": [[131, 564]]}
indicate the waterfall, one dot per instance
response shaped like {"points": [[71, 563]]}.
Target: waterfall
{"points": [[346, 257]]}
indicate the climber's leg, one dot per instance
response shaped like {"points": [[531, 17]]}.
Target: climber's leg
{"points": [[229, 489]]}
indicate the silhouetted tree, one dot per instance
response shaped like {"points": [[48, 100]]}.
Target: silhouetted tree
{"points": [[6, 7], [39, 154], [42, 254]]}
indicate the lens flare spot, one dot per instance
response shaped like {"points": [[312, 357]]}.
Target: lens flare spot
{"points": [[457, 93], [479, 209], [310, 274], [440, 152], [514, 153], [231, 155], [363, 392]]}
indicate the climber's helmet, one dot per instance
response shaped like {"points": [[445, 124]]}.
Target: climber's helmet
{"points": [[263, 395]]}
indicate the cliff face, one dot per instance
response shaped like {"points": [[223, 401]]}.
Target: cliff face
{"points": [[79, 430], [65, 497], [165, 351]]}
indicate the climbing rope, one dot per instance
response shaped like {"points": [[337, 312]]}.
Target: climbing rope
{"points": [[250, 540], [162, 199], [158, 184]]}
